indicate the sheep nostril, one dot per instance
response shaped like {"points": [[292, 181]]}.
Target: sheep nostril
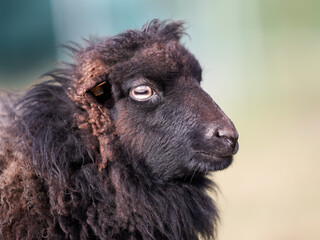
{"points": [[231, 136]]}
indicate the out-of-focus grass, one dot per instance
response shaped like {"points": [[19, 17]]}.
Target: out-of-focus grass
{"points": [[272, 189]]}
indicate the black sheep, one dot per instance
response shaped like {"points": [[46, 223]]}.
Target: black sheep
{"points": [[114, 146]]}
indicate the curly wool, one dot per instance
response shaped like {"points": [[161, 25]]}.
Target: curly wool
{"points": [[66, 174]]}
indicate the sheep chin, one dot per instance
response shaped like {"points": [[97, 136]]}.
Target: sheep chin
{"points": [[210, 162]]}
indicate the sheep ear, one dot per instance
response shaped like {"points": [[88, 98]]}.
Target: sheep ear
{"points": [[99, 89], [102, 92], [90, 84], [92, 72]]}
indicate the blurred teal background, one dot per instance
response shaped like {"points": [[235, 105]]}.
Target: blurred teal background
{"points": [[261, 63]]}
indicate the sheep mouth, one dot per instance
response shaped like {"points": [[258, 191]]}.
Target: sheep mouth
{"points": [[214, 162]]}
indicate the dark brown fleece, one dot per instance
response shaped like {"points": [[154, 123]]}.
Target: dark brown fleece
{"points": [[80, 165]]}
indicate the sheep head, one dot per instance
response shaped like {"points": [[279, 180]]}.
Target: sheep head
{"points": [[142, 90]]}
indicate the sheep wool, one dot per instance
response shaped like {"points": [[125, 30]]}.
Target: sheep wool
{"points": [[116, 145]]}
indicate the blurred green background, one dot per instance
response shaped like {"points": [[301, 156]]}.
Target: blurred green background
{"points": [[261, 62]]}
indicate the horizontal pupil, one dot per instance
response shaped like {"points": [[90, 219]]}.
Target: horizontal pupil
{"points": [[141, 92]]}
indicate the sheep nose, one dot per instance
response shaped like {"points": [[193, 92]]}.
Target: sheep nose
{"points": [[229, 134]]}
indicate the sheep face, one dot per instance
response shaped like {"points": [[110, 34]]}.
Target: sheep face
{"points": [[163, 119], [167, 120]]}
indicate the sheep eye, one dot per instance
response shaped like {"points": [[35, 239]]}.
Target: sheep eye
{"points": [[141, 93]]}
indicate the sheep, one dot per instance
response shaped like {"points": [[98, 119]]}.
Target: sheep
{"points": [[116, 145]]}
